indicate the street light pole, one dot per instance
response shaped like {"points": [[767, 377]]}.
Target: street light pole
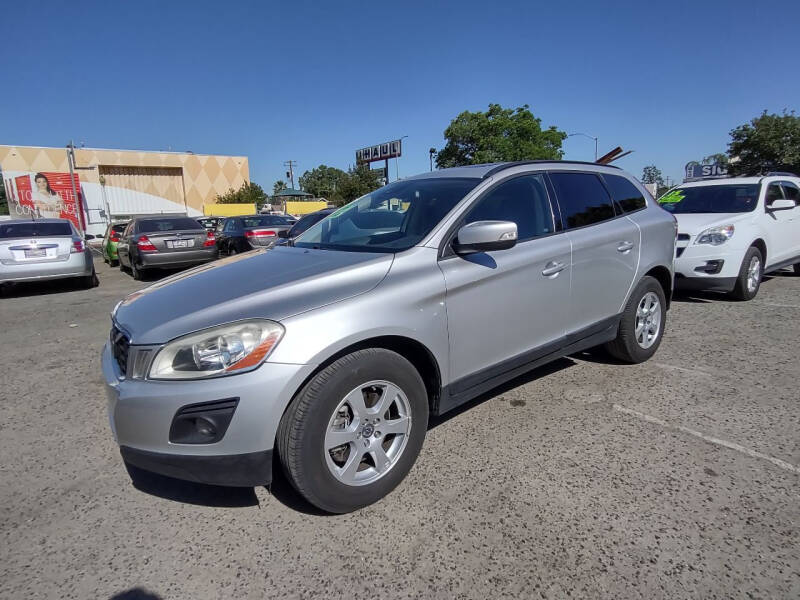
{"points": [[591, 137], [396, 167]]}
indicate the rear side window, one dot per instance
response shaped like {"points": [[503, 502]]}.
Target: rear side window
{"points": [[583, 199], [119, 228], [168, 224], [624, 193], [34, 229], [522, 200]]}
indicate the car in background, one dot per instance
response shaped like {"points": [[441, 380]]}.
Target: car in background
{"points": [[733, 231], [44, 249], [245, 233], [306, 221], [164, 242], [210, 223], [406, 303], [110, 239]]}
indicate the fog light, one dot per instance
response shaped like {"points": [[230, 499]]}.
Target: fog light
{"points": [[204, 423], [205, 427]]}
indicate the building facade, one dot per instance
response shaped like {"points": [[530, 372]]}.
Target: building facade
{"points": [[110, 185]]}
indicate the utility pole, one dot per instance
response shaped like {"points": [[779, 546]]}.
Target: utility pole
{"points": [[290, 173]]}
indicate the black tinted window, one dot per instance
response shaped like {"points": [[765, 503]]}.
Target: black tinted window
{"points": [[791, 191], [119, 228], [582, 198], [624, 193], [168, 224], [34, 229], [267, 220], [522, 200]]}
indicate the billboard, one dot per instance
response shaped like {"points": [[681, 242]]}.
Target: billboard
{"points": [[698, 171], [45, 195], [383, 151]]}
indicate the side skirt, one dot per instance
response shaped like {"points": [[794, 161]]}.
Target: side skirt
{"points": [[782, 264], [467, 388]]}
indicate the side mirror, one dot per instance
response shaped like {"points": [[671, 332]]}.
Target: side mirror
{"points": [[781, 204], [485, 236]]}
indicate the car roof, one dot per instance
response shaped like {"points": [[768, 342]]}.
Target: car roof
{"points": [[488, 169], [739, 180]]}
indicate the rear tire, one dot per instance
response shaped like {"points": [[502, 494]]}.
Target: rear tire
{"points": [[91, 281], [375, 403], [135, 271], [749, 280], [641, 327]]}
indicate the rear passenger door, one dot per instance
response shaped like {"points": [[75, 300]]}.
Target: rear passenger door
{"points": [[605, 250]]}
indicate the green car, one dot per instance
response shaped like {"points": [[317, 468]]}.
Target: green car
{"points": [[110, 240]]}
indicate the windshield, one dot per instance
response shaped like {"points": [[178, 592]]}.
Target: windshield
{"points": [[711, 199], [390, 219], [34, 229], [307, 222]]}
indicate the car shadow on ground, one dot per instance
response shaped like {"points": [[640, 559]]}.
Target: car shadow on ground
{"points": [[698, 297], [135, 594], [41, 288]]}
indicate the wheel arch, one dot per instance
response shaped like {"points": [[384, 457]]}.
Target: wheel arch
{"points": [[664, 277], [762, 247]]}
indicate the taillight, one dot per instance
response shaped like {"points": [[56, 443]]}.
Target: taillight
{"points": [[211, 239], [77, 246], [260, 233], [145, 245]]}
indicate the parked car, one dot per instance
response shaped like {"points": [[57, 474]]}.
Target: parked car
{"points": [[164, 242], [44, 249], [110, 240], [242, 234], [732, 231], [210, 223], [300, 226], [406, 303]]}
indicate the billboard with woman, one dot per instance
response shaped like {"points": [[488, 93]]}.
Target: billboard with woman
{"points": [[45, 195]]}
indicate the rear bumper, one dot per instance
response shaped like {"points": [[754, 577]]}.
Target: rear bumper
{"points": [[79, 264], [236, 470], [177, 259]]}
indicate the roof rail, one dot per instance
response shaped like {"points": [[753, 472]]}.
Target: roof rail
{"points": [[519, 163], [780, 174]]}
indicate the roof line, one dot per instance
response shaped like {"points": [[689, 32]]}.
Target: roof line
{"points": [[518, 163]]}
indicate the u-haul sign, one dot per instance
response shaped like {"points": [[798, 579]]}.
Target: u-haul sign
{"points": [[379, 152]]}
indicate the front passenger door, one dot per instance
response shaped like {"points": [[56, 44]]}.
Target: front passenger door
{"points": [[505, 306]]}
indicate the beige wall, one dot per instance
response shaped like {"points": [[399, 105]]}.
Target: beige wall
{"points": [[204, 175]]}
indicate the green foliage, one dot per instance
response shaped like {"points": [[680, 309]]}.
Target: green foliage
{"points": [[358, 181], [717, 158], [652, 174], [278, 186], [499, 134], [324, 182], [249, 193], [770, 142]]}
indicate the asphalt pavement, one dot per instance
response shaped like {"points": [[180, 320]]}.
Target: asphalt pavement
{"points": [[677, 478]]}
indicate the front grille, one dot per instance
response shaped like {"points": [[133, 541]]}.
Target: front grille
{"points": [[120, 344]]}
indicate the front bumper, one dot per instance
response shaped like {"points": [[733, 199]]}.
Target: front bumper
{"points": [[141, 414], [697, 267]]}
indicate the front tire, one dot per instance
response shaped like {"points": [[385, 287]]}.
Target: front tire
{"points": [[749, 280], [352, 434], [641, 327]]}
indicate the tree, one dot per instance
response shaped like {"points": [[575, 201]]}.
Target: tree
{"points": [[278, 186], [499, 134], [323, 182], [652, 174], [358, 181], [770, 142], [716, 158], [249, 193]]}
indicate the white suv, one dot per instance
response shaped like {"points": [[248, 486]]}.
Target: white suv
{"points": [[732, 231]]}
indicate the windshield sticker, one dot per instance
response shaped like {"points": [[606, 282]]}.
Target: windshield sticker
{"points": [[672, 197]]}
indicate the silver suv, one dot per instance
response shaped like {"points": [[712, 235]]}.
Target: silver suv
{"points": [[405, 303]]}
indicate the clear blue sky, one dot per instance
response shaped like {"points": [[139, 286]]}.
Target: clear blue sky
{"points": [[313, 81]]}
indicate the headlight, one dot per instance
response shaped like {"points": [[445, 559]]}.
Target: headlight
{"points": [[715, 235], [223, 350]]}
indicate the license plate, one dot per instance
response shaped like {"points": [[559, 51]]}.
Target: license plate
{"points": [[37, 253], [180, 244]]}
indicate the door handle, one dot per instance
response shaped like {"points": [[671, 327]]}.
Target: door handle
{"points": [[553, 268], [624, 246]]}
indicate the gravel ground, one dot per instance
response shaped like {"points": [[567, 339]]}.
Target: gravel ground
{"points": [[677, 478]]}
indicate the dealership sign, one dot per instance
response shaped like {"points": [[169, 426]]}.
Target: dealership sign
{"points": [[697, 171], [380, 152]]}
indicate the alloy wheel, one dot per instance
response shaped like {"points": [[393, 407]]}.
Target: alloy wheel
{"points": [[648, 320], [367, 433], [753, 274]]}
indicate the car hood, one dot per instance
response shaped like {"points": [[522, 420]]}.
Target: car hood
{"points": [[694, 223], [271, 284]]}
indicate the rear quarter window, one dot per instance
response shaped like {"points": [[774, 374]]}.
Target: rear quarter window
{"points": [[624, 193]]}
